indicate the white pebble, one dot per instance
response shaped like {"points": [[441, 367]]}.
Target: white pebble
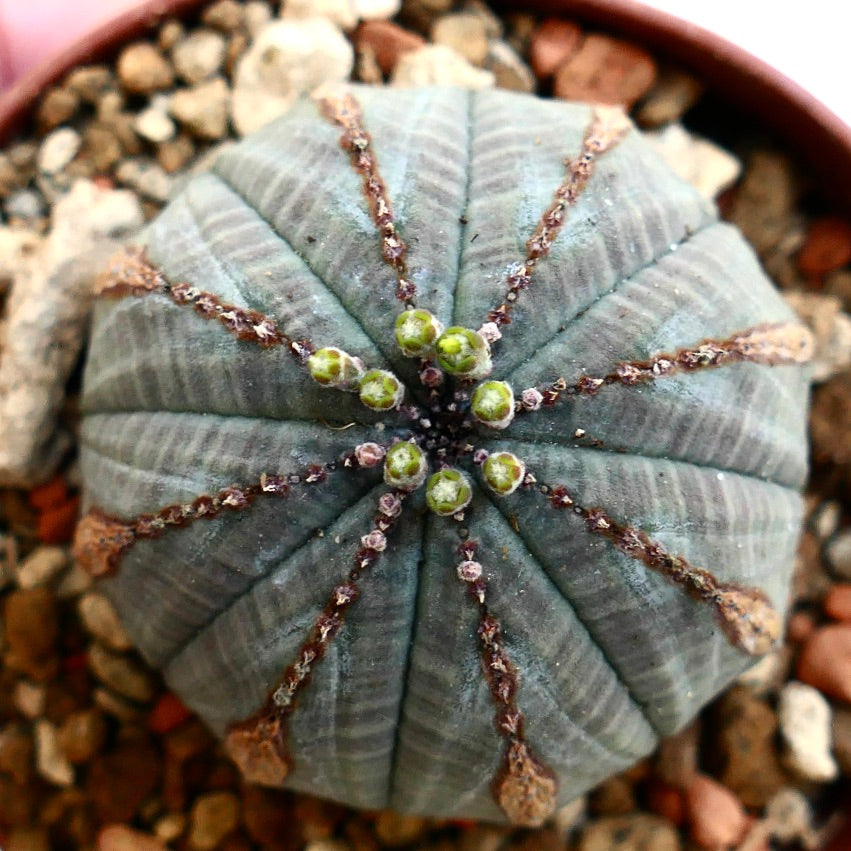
{"points": [[100, 620], [154, 125], [838, 554], [805, 727], [29, 698], [790, 817], [200, 55], [438, 65], [289, 58], [51, 763], [371, 10], [58, 149], [42, 566], [341, 13]]}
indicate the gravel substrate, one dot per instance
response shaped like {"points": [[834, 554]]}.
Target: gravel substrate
{"points": [[94, 753]]}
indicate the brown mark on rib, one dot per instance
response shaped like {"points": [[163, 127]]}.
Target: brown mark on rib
{"points": [[130, 273], [258, 745], [344, 110], [608, 126], [524, 787], [771, 345], [745, 614], [100, 540]]}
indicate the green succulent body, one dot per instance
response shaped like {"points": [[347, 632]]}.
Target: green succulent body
{"points": [[609, 655]]}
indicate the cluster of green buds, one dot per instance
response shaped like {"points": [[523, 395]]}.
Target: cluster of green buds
{"points": [[378, 389]]}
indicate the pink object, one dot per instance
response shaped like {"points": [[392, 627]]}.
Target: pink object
{"points": [[825, 660], [717, 817]]}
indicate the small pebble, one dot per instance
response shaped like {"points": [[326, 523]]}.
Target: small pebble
{"points": [[224, 15], [90, 82], [605, 70], [825, 661], [288, 58], [395, 829], [31, 629], [42, 566], [635, 832], [666, 801], [825, 519], [82, 735], [203, 109], [51, 763], [147, 177], [154, 125], [328, 845], [805, 727], [170, 827], [341, 13], [213, 817], [465, 33], [566, 818], [29, 698], [120, 837], [57, 106], [790, 817], [438, 65], [176, 153], [676, 757], [16, 752], [717, 818], [673, 94], [509, 70], [258, 13], [842, 738], [142, 69], [838, 555], [199, 56], [831, 329], [58, 149], [388, 42], [552, 44], [28, 839], [837, 603], [121, 673], [121, 779], [826, 248], [25, 204], [99, 618], [371, 10]]}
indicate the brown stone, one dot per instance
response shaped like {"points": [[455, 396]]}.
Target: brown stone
{"points": [[31, 629], [837, 602], [120, 837], [267, 814], [666, 801], [224, 15], [394, 829], [746, 754], [716, 815], [830, 427], [101, 146], [465, 33], [82, 735], [16, 752], [674, 93], [613, 797], [827, 247], [119, 781], [142, 69], [605, 70], [212, 818], [90, 82], [387, 41], [676, 758], [28, 839], [635, 832], [825, 661], [842, 738], [122, 673], [553, 43], [57, 106], [176, 153]]}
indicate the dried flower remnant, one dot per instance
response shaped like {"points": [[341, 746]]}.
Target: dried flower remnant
{"points": [[445, 443]]}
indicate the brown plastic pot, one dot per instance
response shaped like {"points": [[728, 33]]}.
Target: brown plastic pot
{"points": [[796, 117], [808, 127]]}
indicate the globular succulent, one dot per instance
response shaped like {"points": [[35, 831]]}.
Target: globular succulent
{"points": [[438, 472]]}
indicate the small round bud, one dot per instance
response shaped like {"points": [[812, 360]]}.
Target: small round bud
{"points": [[374, 540], [493, 404], [369, 454], [490, 332], [469, 571], [448, 491], [405, 466], [390, 505], [332, 367], [380, 390], [416, 331], [461, 351], [503, 472], [531, 398]]}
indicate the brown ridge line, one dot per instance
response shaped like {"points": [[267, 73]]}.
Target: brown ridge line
{"points": [[745, 614], [258, 744], [100, 540], [774, 344], [343, 109], [523, 787], [130, 273], [608, 126]]}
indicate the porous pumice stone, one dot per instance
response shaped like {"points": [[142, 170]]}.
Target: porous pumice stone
{"points": [[609, 655]]}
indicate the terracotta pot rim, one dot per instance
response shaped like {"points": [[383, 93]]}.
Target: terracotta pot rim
{"points": [[800, 119]]}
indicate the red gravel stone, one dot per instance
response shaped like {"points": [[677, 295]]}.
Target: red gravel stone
{"points": [[717, 818], [837, 603], [825, 660], [826, 248], [666, 801], [800, 627], [605, 70], [553, 43], [388, 41], [50, 494], [168, 713], [56, 524]]}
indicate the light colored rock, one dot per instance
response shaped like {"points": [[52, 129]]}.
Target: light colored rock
{"points": [[73, 582], [47, 310], [203, 109], [42, 566], [199, 56], [805, 723], [29, 698], [438, 65], [328, 845], [824, 520], [58, 149], [373, 10], [465, 33], [768, 673], [838, 554], [142, 69], [147, 177], [120, 837], [831, 329], [790, 818], [170, 826], [509, 70], [341, 13], [258, 13], [100, 620], [566, 818], [708, 167], [154, 125], [213, 817], [25, 204], [121, 673], [50, 762], [289, 58]]}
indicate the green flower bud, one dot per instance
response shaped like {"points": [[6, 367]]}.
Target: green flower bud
{"points": [[416, 331], [332, 367], [380, 390], [503, 472], [493, 404], [448, 491], [405, 466], [461, 351]]}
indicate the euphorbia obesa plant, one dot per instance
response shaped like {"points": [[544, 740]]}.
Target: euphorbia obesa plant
{"points": [[438, 472]]}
